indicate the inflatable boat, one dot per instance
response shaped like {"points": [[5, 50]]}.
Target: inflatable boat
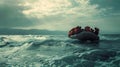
{"points": [[86, 36]]}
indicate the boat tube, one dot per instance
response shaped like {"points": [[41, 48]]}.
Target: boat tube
{"points": [[86, 36]]}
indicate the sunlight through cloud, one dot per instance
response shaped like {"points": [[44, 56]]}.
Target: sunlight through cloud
{"points": [[43, 8]]}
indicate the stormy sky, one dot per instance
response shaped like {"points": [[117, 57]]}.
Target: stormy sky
{"points": [[60, 14]]}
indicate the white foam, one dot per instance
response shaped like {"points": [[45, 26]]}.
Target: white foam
{"points": [[49, 48]]}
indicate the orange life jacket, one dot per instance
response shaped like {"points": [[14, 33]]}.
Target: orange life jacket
{"points": [[71, 32]]}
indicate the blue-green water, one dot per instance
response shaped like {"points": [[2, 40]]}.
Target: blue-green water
{"points": [[58, 51]]}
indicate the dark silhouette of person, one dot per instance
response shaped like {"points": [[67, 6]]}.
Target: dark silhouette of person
{"points": [[96, 31], [88, 29], [92, 30]]}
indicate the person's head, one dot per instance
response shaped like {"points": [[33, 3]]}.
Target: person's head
{"points": [[87, 27], [96, 28], [78, 27]]}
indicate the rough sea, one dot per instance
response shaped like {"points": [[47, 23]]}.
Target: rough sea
{"points": [[58, 51]]}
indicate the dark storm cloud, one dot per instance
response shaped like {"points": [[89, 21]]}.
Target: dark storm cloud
{"points": [[11, 15], [60, 15], [109, 20]]}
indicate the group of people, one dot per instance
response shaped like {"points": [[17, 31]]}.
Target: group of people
{"points": [[78, 29]]}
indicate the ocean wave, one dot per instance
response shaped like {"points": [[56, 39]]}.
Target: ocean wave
{"points": [[56, 51], [109, 38]]}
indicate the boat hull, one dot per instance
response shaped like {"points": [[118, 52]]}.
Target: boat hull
{"points": [[86, 36]]}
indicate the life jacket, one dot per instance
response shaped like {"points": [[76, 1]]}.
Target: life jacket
{"points": [[71, 32], [77, 30]]}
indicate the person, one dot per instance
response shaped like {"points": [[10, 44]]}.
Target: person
{"points": [[77, 30], [87, 28], [96, 30], [71, 32], [92, 30]]}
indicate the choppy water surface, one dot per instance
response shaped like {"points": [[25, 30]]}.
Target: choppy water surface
{"points": [[58, 51]]}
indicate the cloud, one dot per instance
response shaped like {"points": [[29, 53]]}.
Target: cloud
{"points": [[56, 14], [111, 6], [11, 15], [59, 14], [41, 9]]}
